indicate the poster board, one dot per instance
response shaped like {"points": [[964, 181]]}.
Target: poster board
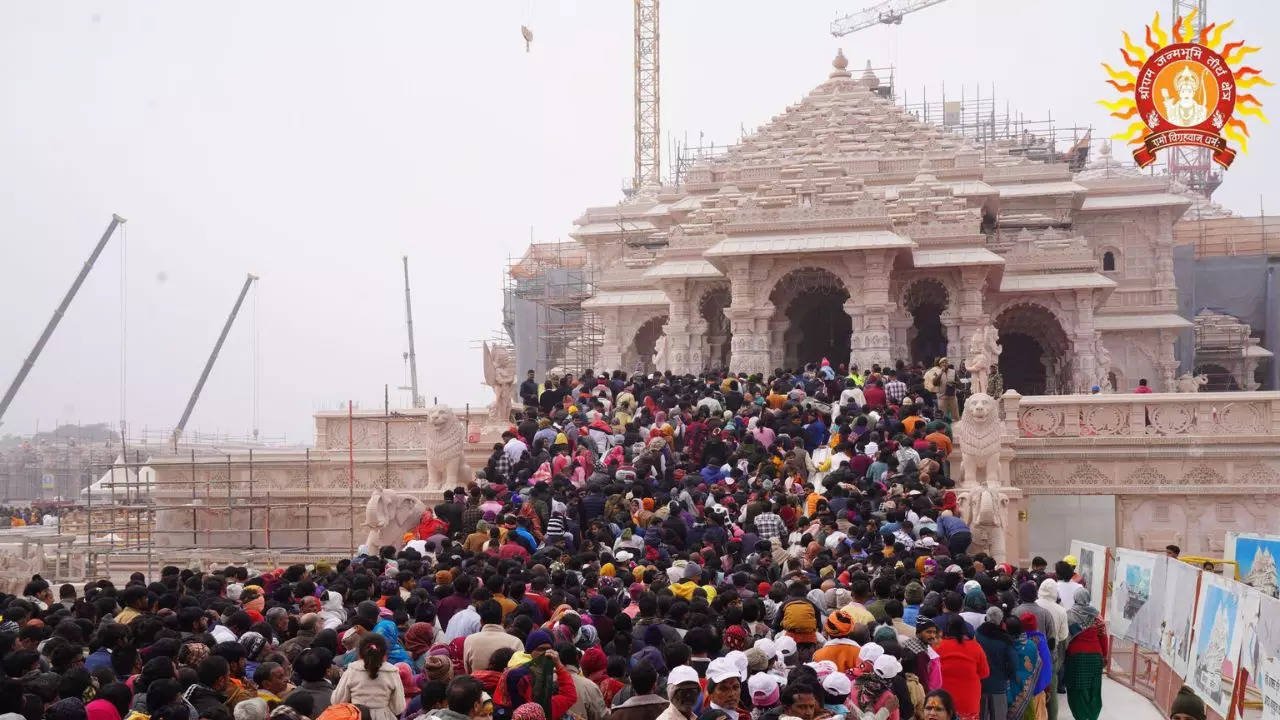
{"points": [[1256, 557], [1136, 607], [1215, 649], [1092, 571], [1269, 683], [1180, 589], [1261, 639]]}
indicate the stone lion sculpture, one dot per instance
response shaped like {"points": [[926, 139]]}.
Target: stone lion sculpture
{"points": [[1188, 383], [978, 436], [446, 437], [389, 515]]}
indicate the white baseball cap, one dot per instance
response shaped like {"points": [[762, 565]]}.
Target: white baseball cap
{"points": [[786, 646], [679, 675], [870, 652], [763, 684], [837, 683], [766, 646], [722, 669], [887, 667]]}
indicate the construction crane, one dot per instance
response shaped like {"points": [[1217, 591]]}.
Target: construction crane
{"points": [[1193, 166], [648, 170], [116, 221], [208, 365], [889, 12], [413, 356]]}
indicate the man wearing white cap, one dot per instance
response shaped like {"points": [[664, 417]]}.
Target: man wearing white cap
{"points": [[683, 689], [835, 690], [724, 688]]}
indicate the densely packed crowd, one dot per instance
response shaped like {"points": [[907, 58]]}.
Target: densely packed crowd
{"points": [[636, 548]]}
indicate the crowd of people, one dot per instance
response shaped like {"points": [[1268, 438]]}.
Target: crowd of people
{"points": [[637, 548]]}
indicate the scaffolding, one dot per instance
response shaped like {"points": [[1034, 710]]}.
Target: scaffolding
{"points": [[993, 125], [554, 279]]}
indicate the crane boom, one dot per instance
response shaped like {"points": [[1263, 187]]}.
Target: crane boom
{"points": [[413, 356], [208, 366], [648, 160], [27, 364], [889, 12]]}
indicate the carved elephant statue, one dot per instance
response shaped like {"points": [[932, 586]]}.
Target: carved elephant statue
{"points": [[389, 515]]}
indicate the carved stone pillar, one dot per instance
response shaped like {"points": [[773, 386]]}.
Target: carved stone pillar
{"points": [[1166, 363], [870, 313], [955, 348], [782, 338], [750, 344], [679, 337], [1087, 340], [900, 333], [699, 356], [612, 345]]}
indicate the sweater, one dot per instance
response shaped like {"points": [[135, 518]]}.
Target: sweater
{"points": [[1001, 658], [964, 665]]}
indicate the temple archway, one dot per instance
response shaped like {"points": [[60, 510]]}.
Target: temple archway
{"points": [[811, 300], [719, 335], [1035, 351], [646, 352], [926, 300]]}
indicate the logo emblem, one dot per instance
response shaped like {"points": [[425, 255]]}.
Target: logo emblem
{"points": [[1185, 92]]}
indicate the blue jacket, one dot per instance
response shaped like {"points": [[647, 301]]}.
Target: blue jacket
{"points": [[1001, 658]]}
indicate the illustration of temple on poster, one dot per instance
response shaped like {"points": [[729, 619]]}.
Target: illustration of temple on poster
{"points": [[1263, 573]]}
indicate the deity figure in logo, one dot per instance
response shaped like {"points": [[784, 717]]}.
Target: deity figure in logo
{"points": [[1191, 107]]}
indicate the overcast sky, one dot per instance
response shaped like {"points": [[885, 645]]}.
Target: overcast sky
{"points": [[313, 143]]}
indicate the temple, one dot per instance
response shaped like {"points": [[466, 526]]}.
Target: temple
{"points": [[919, 235]]}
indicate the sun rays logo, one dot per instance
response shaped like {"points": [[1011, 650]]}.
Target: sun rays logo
{"points": [[1185, 92]]}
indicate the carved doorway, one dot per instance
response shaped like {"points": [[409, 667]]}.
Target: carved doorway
{"points": [[1035, 357], [812, 301], [926, 301], [647, 351], [719, 334]]}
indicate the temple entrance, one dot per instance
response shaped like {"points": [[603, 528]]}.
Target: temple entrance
{"points": [[926, 300], [648, 351], [817, 326], [719, 334], [1035, 352]]}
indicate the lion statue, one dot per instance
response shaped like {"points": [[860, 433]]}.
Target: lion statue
{"points": [[389, 515], [1188, 383], [445, 440], [978, 437]]}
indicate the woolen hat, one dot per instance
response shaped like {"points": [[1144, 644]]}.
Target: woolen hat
{"points": [[1027, 591], [913, 593]]}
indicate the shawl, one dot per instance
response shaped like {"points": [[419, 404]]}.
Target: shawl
{"points": [[1026, 675], [1081, 616], [532, 682], [869, 688], [395, 653]]}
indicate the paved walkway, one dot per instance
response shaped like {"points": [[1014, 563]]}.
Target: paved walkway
{"points": [[1118, 703]]}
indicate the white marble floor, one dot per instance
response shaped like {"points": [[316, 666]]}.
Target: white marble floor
{"points": [[1118, 703]]}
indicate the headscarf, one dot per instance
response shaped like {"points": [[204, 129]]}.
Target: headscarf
{"points": [[190, 654], [529, 711], [1081, 616], [102, 710], [536, 639], [735, 638], [587, 637], [419, 638], [439, 668], [975, 601]]}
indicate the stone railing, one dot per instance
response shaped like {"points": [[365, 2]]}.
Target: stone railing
{"points": [[1251, 415]]}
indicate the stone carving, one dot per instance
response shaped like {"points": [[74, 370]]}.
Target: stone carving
{"points": [[390, 515], [984, 351], [985, 511], [446, 437], [1087, 473], [978, 435], [500, 376], [1188, 383]]}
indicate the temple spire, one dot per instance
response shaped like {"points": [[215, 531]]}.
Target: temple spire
{"points": [[841, 65]]}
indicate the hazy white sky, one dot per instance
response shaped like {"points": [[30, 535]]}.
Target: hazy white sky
{"points": [[312, 143]]}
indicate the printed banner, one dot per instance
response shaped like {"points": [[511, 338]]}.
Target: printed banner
{"points": [[1137, 597], [1092, 569], [1179, 609], [1255, 557], [1215, 654], [1270, 686]]}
